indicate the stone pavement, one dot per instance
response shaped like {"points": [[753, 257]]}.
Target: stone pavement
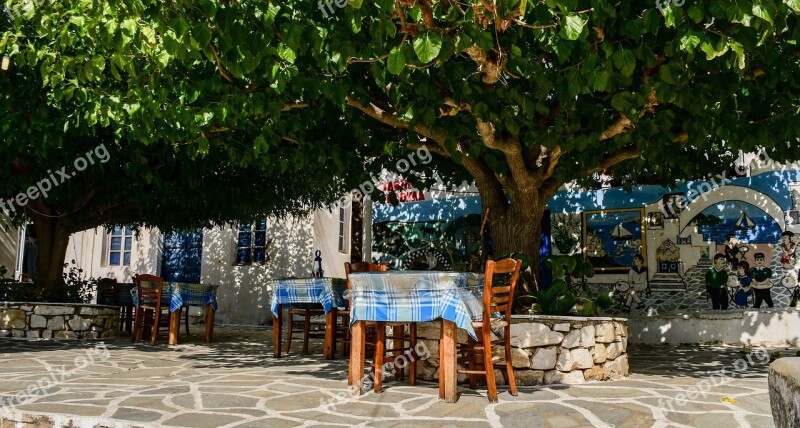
{"points": [[236, 382]]}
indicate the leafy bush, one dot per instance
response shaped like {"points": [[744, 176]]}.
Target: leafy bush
{"points": [[564, 296], [76, 288]]}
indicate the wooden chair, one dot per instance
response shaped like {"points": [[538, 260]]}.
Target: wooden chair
{"points": [[378, 331], [306, 311], [343, 327], [497, 298], [149, 289], [108, 294]]}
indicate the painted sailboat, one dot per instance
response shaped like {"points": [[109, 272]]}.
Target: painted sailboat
{"points": [[621, 234], [745, 223]]}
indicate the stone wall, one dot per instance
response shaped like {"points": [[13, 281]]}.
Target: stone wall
{"points": [[784, 392], [58, 321], [548, 349]]}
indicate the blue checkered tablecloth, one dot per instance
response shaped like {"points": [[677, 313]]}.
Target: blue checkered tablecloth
{"points": [[325, 291], [417, 296], [179, 294]]}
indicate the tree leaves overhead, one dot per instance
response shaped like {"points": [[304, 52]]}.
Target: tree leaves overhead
{"points": [[520, 96]]}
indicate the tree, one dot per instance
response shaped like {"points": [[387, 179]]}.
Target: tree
{"points": [[520, 96], [119, 112], [527, 96]]}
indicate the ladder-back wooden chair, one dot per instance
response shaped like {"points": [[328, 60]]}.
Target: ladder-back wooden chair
{"points": [[500, 282]]}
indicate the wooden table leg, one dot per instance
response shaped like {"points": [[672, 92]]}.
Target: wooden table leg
{"points": [[329, 350], [356, 372], [174, 326], [209, 323], [277, 320], [447, 363]]}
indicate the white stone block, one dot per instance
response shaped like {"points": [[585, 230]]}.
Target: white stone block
{"points": [[587, 336], [565, 361], [600, 353], [569, 378], [604, 332], [56, 323], [544, 359], [38, 321], [614, 350], [54, 310], [582, 357], [562, 327], [572, 339], [531, 335]]}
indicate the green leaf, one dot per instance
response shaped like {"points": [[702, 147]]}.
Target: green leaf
{"points": [[428, 46], [572, 26], [286, 53], [762, 11], [624, 61], [695, 13], [794, 5], [396, 62]]}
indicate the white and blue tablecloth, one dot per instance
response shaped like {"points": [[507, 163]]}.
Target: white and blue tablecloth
{"points": [[417, 296], [327, 292], [179, 294]]}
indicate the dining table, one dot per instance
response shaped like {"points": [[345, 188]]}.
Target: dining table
{"points": [[326, 292], [180, 294], [415, 296]]}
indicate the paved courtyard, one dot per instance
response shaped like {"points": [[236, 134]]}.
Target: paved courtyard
{"points": [[235, 382]]}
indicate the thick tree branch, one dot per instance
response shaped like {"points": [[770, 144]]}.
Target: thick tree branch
{"points": [[391, 119], [512, 150], [623, 124]]}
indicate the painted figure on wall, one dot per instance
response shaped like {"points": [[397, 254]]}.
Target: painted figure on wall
{"points": [[761, 282], [743, 291], [716, 283], [637, 280], [733, 252], [788, 247]]}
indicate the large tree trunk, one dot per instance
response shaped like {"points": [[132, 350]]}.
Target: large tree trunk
{"points": [[516, 226], [52, 239]]}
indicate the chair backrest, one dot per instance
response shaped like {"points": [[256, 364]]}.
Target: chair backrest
{"points": [[359, 267], [107, 291], [498, 296], [149, 288]]}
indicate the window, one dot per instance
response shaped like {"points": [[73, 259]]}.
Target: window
{"points": [[343, 232], [119, 246], [251, 244]]}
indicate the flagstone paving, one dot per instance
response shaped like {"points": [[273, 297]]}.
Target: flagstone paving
{"points": [[236, 382]]}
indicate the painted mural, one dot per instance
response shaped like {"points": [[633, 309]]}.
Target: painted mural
{"points": [[683, 228], [431, 235], [612, 238]]}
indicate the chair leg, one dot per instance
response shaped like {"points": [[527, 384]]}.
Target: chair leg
{"points": [[345, 335], [136, 335], [187, 320], [380, 351], [398, 342], [512, 382], [156, 322], [289, 332], [487, 363], [412, 371], [306, 330], [472, 365]]}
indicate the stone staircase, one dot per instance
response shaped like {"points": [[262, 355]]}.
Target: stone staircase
{"points": [[667, 282]]}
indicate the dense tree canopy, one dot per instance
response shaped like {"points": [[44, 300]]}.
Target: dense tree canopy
{"points": [[521, 96], [184, 146]]}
